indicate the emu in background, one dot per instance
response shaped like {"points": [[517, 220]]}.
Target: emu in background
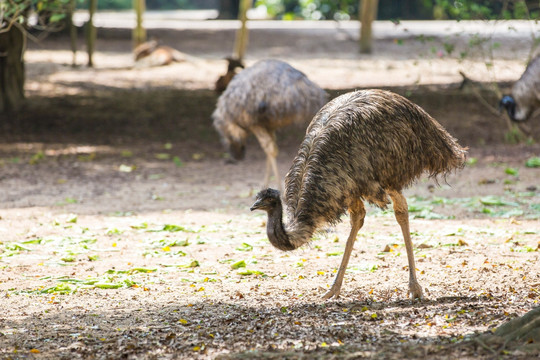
{"points": [[267, 96], [525, 96]]}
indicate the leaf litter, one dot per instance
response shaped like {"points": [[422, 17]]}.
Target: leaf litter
{"points": [[207, 283], [240, 308]]}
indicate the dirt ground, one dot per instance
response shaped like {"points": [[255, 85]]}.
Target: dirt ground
{"points": [[125, 234]]}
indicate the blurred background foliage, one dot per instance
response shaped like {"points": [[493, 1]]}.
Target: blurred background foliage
{"points": [[348, 9], [150, 4], [404, 9]]}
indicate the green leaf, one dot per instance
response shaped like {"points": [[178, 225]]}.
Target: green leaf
{"points": [[192, 264], [511, 171], [34, 241], [37, 157], [56, 17], [250, 272], [108, 285], [337, 253], [177, 161], [174, 228], [17, 246], [245, 247], [144, 225], [533, 162], [59, 289], [238, 265], [496, 201], [174, 242]]}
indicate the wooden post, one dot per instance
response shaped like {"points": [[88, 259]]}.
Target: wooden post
{"points": [[242, 34], [368, 13], [91, 32], [72, 32], [139, 33]]}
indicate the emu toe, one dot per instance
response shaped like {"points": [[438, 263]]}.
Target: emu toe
{"points": [[415, 290], [332, 293]]}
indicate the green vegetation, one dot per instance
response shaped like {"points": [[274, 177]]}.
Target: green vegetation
{"points": [[150, 4], [395, 10]]}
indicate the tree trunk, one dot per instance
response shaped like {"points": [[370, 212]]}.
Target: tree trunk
{"points": [[368, 13], [139, 33], [91, 32], [11, 69], [522, 333], [72, 33], [242, 34]]}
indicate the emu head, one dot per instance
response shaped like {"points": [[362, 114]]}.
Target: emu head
{"points": [[233, 137], [509, 104], [237, 150], [520, 109], [224, 80], [233, 64], [266, 200]]}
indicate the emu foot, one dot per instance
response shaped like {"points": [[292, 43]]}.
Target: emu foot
{"points": [[415, 290], [333, 292]]}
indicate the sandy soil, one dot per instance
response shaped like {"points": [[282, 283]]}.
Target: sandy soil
{"points": [[124, 234]]}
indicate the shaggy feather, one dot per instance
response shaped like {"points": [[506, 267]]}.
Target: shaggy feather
{"points": [[362, 145]]}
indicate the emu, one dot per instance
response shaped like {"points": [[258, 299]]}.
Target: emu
{"points": [[362, 146], [267, 96], [525, 96]]}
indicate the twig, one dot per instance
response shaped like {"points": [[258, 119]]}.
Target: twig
{"points": [[483, 101]]}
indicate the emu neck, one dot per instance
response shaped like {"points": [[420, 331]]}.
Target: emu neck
{"points": [[275, 230]]}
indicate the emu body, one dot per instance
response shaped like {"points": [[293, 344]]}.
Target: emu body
{"points": [[267, 96], [362, 146], [525, 96]]}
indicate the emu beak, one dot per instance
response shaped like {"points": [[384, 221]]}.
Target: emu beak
{"points": [[256, 205]]}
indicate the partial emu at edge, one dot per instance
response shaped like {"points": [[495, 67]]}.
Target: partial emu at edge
{"points": [[525, 96]]}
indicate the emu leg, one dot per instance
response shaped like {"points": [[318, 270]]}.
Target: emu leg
{"points": [[358, 213], [267, 139], [273, 164], [267, 173], [402, 216]]}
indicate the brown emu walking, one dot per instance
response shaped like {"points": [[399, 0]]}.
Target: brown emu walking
{"points": [[525, 97], [364, 145], [269, 95]]}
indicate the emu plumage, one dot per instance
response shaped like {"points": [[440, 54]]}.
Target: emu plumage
{"points": [[362, 146], [269, 95]]}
